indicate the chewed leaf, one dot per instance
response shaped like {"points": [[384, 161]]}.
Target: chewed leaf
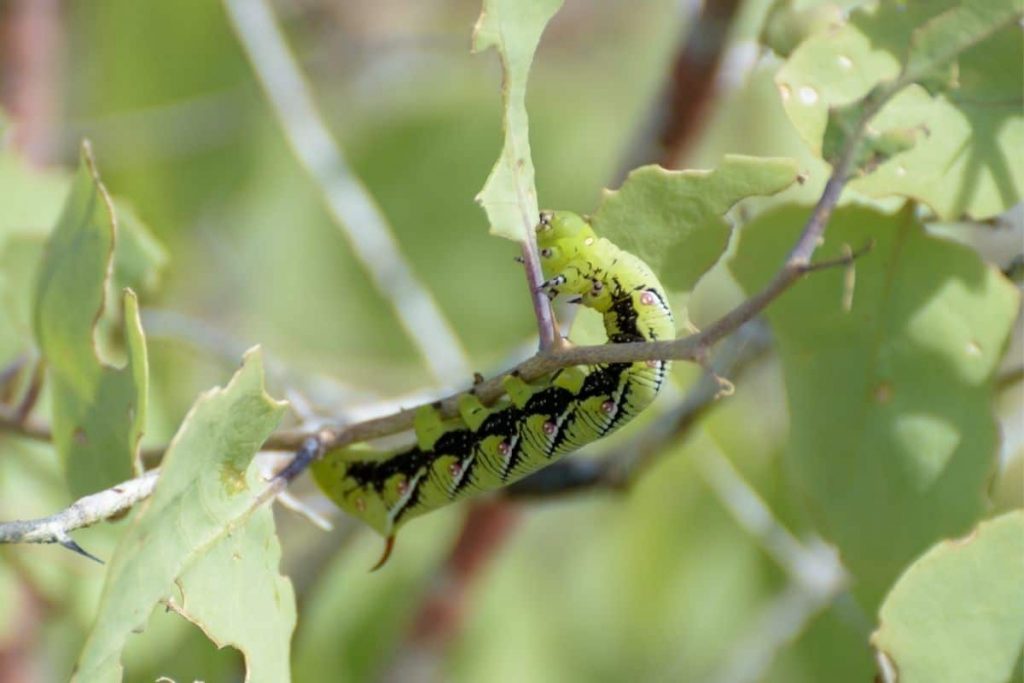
{"points": [[513, 28], [98, 410], [242, 569], [206, 491], [956, 127], [674, 220], [889, 372], [957, 614]]}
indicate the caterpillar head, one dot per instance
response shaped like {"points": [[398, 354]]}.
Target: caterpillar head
{"points": [[562, 237]]}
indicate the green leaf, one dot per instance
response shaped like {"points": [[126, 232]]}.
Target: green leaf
{"points": [[674, 220], [957, 614], [787, 23], [965, 119], [235, 594], [98, 410], [892, 435], [205, 495], [139, 258], [513, 27]]}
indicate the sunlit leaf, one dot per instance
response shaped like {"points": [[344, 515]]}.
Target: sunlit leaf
{"points": [[962, 126], [892, 435], [204, 495], [957, 614]]}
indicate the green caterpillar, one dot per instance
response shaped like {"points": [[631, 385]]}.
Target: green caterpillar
{"points": [[539, 422]]}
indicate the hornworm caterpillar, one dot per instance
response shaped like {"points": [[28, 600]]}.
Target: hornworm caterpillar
{"points": [[488, 448]]}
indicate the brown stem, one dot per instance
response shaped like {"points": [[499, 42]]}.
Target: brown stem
{"points": [[32, 40], [679, 112], [441, 612], [28, 401]]}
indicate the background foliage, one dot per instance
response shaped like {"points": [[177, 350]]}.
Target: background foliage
{"points": [[883, 420]]}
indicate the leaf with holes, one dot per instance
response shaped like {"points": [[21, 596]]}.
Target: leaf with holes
{"points": [[958, 131], [206, 491], [889, 378]]}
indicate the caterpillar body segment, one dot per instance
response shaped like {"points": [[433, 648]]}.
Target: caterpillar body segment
{"points": [[490, 447]]}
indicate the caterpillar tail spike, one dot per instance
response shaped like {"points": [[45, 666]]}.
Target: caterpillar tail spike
{"points": [[490, 447], [389, 546]]}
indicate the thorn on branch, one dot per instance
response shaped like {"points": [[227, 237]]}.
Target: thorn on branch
{"points": [[69, 543]]}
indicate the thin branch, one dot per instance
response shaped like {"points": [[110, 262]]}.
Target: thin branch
{"points": [[82, 513], [348, 201], [28, 400], [118, 499], [693, 347], [547, 328]]}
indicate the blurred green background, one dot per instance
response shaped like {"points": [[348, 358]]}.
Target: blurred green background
{"points": [[660, 583]]}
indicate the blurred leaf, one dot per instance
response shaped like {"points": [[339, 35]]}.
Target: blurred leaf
{"points": [[98, 411], [513, 27], [139, 258], [674, 221], [957, 614], [29, 204], [968, 115], [892, 435], [786, 25], [235, 594], [204, 494]]}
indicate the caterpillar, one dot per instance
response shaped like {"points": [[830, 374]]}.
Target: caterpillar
{"points": [[488, 448]]}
